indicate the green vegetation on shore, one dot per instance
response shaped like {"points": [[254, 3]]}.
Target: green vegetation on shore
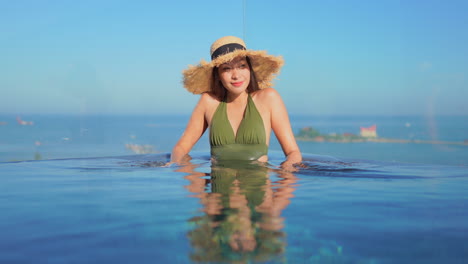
{"points": [[311, 134]]}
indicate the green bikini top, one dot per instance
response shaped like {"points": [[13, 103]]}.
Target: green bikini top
{"points": [[250, 140]]}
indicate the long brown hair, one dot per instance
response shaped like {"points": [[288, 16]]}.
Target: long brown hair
{"points": [[220, 92]]}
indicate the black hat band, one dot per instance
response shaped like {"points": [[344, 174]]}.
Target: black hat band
{"points": [[226, 49]]}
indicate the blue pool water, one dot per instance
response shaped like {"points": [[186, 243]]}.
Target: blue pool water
{"points": [[352, 203], [129, 209]]}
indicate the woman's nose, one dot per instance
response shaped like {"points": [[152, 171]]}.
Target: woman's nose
{"points": [[234, 73]]}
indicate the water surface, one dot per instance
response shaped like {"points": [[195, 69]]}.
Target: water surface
{"points": [[130, 209]]}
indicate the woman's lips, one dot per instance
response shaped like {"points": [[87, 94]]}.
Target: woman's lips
{"points": [[237, 84]]}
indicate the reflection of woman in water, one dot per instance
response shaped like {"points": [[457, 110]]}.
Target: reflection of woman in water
{"points": [[238, 105], [242, 211]]}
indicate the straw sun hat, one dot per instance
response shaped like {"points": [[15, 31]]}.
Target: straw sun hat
{"points": [[197, 79]]}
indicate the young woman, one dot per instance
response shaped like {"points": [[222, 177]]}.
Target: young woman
{"points": [[238, 105]]}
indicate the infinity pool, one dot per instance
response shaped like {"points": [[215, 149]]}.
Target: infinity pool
{"points": [[132, 210]]}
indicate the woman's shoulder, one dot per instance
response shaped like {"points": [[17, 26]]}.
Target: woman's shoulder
{"points": [[209, 98], [208, 101], [266, 94], [266, 99]]}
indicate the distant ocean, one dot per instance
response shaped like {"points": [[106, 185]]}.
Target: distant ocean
{"points": [[79, 136]]}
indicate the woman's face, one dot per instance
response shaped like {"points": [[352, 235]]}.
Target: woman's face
{"points": [[235, 75]]}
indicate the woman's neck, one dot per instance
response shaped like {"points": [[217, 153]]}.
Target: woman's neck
{"points": [[237, 98]]}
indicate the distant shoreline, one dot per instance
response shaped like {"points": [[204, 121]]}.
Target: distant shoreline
{"points": [[384, 140]]}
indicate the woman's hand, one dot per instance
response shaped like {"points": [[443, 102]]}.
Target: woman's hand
{"points": [[290, 166], [185, 159], [168, 164]]}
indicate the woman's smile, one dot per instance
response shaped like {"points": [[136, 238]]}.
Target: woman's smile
{"points": [[237, 84]]}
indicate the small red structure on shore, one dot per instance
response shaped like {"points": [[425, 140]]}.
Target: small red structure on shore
{"points": [[369, 132]]}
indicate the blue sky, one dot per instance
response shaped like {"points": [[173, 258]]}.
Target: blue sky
{"points": [[126, 57]]}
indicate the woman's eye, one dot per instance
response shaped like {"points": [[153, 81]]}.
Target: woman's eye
{"points": [[225, 69], [243, 66]]}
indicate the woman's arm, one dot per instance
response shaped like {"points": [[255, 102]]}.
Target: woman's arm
{"points": [[281, 125], [194, 130]]}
